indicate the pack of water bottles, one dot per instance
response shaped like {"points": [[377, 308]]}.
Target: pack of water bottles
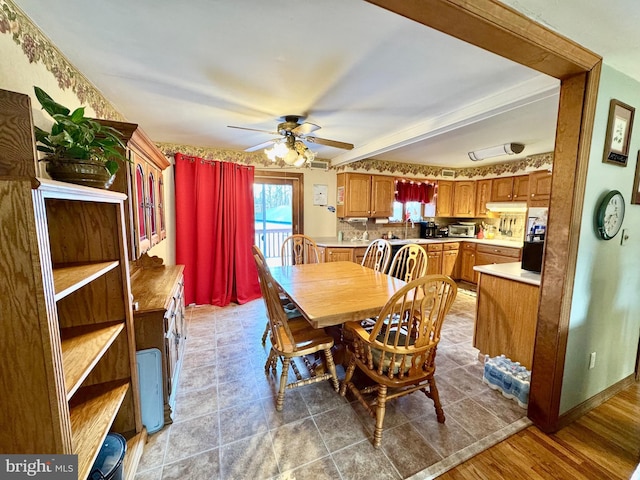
{"points": [[511, 378]]}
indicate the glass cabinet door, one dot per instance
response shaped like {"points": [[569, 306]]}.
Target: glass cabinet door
{"points": [[152, 207], [161, 220], [144, 242]]}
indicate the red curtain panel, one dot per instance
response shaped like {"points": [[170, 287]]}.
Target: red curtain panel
{"points": [[215, 230], [409, 191]]}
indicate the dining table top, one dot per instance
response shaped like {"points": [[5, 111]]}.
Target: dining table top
{"points": [[333, 293]]}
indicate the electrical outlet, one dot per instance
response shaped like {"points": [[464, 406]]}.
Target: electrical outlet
{"points": [[592, 360]]}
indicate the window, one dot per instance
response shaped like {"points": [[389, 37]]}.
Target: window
{"points": [[414, 209]]}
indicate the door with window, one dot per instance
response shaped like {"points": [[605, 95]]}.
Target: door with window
{"points": [[278, 209]]}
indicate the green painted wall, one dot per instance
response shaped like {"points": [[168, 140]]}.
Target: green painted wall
{"points": [[605, 311]]}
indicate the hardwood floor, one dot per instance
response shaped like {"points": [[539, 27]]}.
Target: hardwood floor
{"points": [[603, 444]]}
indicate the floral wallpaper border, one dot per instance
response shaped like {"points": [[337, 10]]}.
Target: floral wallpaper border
{"points": [[533, 162], [38, 48]]}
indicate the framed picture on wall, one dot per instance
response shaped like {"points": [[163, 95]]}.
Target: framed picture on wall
{"points": [[635, 194], [619, 126]]}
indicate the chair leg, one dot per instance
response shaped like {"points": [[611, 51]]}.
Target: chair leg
{"points": [[332, 368], [265, 334], [347, 376], [283, 383], [436, 400], [380, 411], [271, 362]]}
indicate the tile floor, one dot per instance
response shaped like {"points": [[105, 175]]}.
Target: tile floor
{"points": [[225, 423]]}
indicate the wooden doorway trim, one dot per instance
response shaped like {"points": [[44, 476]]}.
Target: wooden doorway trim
{"points": [[297, 203], [505, 32]]}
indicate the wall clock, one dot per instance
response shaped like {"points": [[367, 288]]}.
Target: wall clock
{"points": [[609, 215]]}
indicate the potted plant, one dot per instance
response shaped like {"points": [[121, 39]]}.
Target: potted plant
{"points": [[79, 150]]}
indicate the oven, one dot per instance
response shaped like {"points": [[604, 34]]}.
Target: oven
{"points": [[461, 230]]}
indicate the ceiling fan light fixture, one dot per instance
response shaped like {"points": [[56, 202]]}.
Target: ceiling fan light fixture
{"points": [[506, 149]]}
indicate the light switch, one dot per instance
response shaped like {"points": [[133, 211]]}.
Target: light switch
{"points": [[625, 236]]}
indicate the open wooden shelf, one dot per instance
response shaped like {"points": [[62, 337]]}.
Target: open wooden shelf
{"points": [[82, 348], [92, 410], [69, 278], [135, 448]]}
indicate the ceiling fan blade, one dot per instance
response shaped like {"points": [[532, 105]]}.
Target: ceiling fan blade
{"points": [[262, 145], [330, 143], [305, 128], [254, 130]]}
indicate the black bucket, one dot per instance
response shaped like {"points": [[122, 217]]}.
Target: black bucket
{"points": [[109, 463]]}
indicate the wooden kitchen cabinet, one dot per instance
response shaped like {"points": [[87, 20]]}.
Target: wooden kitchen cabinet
{"points": [[520, 188], [450, 259], [539, 188], [464, 198], [158, 294], [361, 195], [506, 318], [488, 254], [444, 199], [483, 195], [467, 262], [336, 254], [141, 179], [510, 189], [502, 189], [434, 258]]}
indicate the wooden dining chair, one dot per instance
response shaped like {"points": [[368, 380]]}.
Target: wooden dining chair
{"points": [[289, 308], [298, 249], [399, 354], [291, 339], [409, 263], [378, 255]]}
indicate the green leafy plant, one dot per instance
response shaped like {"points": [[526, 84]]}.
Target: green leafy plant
{"points": [[74, 136]]}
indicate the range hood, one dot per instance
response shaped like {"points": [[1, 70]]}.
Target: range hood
{"points": [[509, 207]]}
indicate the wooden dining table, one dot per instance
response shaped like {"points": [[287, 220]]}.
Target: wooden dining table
{"points": [[333, 293]]}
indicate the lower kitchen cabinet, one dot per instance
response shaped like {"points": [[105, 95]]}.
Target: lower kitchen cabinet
{"points": [[336, 254], [488, 254], [434, 258], [467, 262], [158, 296], [450, 259]]}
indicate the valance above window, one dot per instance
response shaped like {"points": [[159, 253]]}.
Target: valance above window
{"points": [[410, 191]]}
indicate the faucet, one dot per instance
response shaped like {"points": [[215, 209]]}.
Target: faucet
{"points": [[406, 225]]}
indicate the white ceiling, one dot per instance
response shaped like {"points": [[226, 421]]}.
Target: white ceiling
{"points": [[395, 89]]}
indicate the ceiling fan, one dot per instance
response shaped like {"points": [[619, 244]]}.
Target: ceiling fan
{"points": [[292, 130]]}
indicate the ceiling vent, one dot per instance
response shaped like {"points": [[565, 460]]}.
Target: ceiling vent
{"points": [[319, 165], [448, 173]]}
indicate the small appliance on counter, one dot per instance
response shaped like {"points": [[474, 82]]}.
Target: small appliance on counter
{"points": [[428, 230], [462, 230], [533, 246], [532, 252], [443, 232]]}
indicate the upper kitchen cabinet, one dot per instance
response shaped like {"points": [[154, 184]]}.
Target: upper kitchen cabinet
{"points": [[464, 197], [510, 189], [520, 188], [483, 195], [539, 188], [361, 195], [444, 199], [141, 179]]}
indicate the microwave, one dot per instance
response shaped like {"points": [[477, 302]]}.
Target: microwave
{"points": [[458, 230]]}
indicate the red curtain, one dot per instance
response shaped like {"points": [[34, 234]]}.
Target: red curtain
{"points": [[408, 191], [215, 231]]}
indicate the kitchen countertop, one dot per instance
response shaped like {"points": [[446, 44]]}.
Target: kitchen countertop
{"points": [[333, 242], [510, 271]]}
